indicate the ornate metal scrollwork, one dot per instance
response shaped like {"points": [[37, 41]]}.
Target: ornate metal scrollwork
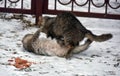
{"points": [[96, 4], [92, 2], [81, 4], [118, 6], [13, 1], [65, 3]]}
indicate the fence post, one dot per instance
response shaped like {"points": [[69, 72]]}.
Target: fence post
{"points": [[39, 9]]}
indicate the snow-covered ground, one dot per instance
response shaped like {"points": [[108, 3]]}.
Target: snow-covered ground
{"points": [[101, 59]]}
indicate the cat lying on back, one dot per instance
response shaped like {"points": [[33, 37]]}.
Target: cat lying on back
{"points": [[44, 46], [68, 30]]}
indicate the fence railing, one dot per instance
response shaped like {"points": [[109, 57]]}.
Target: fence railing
{"points": [[39, 7]]}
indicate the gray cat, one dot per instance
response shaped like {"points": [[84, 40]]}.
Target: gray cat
{"points": [[68, 30]]}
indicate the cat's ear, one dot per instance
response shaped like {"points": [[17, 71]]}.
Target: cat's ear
{"points": [[40, 20], [40, 17]]}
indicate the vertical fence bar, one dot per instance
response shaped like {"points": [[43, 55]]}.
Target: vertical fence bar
{"points": [[39, 9], [5, 3], [106, 6], [21, 4], [72, 5], [89, 1], [55, 7], [33, 6], [45, 5]]}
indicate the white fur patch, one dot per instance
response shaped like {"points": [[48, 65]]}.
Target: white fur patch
{"points": [[48, 47]]}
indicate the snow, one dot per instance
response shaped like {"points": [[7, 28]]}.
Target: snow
{"points": [[101, 59]]}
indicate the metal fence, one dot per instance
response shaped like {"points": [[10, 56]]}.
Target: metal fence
{"points": [[39, 7]]}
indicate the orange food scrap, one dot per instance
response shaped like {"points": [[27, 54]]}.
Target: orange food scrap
{"points": [[21, 63]]}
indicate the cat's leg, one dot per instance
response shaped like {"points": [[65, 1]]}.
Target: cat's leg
{"points": [[83, 47], [36, 34]]}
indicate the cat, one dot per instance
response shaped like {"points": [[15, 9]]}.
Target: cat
{"points": [[68, 30], [45, 46]]}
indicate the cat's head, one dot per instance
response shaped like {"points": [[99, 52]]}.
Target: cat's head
{"points": [[26, 40], [43, 20], [45, 23]]}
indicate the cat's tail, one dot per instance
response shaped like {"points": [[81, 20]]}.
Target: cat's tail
{"points": [[98, 38]]}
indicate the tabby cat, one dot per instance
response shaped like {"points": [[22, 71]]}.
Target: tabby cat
{"points": [[68, 30]]}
